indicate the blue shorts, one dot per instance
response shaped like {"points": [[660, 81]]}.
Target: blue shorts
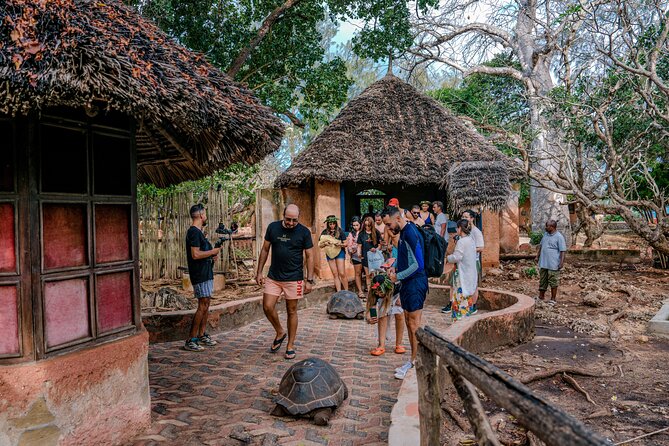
{"points": [[341, 255], [413, 293], [203, 289]]}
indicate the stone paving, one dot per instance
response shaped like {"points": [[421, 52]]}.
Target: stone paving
{"points": [[223, 396]]}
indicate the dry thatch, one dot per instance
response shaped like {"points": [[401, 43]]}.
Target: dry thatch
{"points": [[478, 183], [391, 133], [193, 119]]}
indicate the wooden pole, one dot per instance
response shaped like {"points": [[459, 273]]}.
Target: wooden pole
{"points": [[474, 410], [550, 424], [429, 407]]}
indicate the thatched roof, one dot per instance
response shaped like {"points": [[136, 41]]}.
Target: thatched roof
{"points": [[392, 133], [192, 118]]}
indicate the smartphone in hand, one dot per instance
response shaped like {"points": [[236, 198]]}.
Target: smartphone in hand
{"points": [[372, 312]]}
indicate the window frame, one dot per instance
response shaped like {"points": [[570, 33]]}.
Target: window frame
{"points": [[28, 198]]}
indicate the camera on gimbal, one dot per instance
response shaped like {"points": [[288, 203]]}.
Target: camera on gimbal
{"points": [[225, 233]]}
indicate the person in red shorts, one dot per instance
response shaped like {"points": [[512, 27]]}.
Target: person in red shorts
{"points": [[290, 242]]}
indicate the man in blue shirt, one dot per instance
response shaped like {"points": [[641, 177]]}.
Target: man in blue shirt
{"points": [[551, 259], [409, 272]]}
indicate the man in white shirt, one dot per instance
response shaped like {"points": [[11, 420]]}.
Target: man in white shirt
{"points": [[477, 235], [441, 222]]}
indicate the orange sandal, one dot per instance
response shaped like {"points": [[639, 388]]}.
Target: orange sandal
{"points": [[378, 351], [399, 349]]}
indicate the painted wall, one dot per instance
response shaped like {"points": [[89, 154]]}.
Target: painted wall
{"points": [[490, 229], [508, 225], [99, 395]]}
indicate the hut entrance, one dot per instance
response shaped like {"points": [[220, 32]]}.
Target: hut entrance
{"points": [[370, 201]]}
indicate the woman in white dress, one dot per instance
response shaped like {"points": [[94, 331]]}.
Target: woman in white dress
{"points": [[465, 278]]}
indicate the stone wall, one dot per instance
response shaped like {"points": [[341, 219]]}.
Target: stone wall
{"points": [[174, 325], [99, 395]]}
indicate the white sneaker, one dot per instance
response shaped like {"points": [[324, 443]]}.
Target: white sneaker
{"points": [[402, 371]]}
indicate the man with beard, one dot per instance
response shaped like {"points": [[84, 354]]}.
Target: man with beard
{"points": [[290, 242], [200, 256], [410, 274]]}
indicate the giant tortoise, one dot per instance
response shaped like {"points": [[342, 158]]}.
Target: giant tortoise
{"points": [[310, 387], [345, 304]]}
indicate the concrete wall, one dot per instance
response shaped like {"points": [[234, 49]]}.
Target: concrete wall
{"points": [[490, 229], [98, 395], [509, 238], [174, 325], [327, 201]]}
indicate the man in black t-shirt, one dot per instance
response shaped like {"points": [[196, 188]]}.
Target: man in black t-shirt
{"points": [[200, 256], [290, 241]]}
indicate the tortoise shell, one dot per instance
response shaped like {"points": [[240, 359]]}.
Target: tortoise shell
{"points": [[309, 385], [345, 303]]}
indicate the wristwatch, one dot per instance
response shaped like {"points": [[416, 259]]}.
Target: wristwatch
{"points": [[311, 281]]}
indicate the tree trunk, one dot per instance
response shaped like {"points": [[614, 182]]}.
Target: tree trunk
{"points": [[546, 205]]}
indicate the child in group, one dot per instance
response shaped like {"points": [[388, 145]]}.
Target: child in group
{"points": [[385, 301]]}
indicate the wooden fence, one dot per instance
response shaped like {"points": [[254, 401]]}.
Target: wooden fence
{"points": [[163, 222], [468, 372]]}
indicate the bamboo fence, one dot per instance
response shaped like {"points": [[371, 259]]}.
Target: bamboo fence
{"points": [[163, 223]]}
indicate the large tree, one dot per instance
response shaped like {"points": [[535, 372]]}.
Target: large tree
{"points": [[534, 32], [279, 47]]}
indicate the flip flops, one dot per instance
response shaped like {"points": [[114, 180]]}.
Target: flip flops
{"points": [[276, 345], [290, 354], [378, 351], [399, 349]]}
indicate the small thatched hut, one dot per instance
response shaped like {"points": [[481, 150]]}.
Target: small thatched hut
{"points": [[94, 99], [393, 141]]}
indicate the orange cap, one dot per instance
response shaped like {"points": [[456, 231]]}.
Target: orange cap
{"points": [[394, 202]]}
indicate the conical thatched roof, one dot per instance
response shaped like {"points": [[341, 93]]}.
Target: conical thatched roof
{"points": [[392, 133], [192, 118]]}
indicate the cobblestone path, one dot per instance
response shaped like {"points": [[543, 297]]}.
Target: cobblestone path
{"points": [[223, 396]]}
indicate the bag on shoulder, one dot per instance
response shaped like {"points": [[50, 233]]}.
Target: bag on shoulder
{"points": [[434, 250]]}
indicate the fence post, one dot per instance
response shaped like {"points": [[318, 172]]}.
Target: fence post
{"points": [[429, 396], [474, 410]]}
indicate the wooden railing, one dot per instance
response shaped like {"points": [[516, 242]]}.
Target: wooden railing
{"points": [[467, 373]]}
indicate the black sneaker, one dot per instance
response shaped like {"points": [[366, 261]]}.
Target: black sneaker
{"points": [[446, 309], [473, 310], [193, 346]]}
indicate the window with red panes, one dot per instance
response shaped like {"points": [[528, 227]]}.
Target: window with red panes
{"points": [[10, 278], [87, 265], [84, 205]]}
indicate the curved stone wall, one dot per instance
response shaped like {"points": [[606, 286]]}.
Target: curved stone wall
{"points": [[508, 321]]}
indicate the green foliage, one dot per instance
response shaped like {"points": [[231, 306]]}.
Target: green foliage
{"points": [[524, 194], [289, 69], [238, 180], [531, 272], [494, 103], [535, 237], [613, 218]]}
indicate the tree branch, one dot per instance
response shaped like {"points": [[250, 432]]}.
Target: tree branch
{"points": [[266, 26]]}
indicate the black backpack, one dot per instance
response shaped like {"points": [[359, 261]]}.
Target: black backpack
{"points": [[434, 250]]}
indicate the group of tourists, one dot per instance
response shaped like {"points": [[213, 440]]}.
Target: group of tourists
{"points": [[387, 246]]}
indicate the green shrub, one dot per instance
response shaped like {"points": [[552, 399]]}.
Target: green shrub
{"points": [[613, 218], [531, 272], [535, 237]]}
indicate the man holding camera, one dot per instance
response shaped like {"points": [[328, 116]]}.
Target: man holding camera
{"points": [[200, 256]]}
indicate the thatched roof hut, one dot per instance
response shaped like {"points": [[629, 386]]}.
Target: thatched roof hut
{"points": [[393, 134], [191, 118]]}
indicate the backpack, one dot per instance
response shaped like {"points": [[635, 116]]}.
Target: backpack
{"points": [[434, 250]]}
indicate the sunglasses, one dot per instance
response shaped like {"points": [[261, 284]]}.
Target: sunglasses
{"points": [[415, 214], [290, 220]]}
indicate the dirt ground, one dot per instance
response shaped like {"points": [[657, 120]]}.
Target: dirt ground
{"points": [[597, 328], [169, 295]]}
